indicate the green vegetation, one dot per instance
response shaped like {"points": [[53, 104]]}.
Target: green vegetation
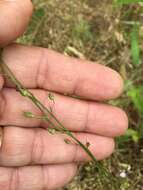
{"points": [[121, 2], [110, 32]]}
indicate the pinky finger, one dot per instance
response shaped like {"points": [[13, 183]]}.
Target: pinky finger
{"points": [[48, 177]]}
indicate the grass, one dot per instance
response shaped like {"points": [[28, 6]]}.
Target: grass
{"points": [[111, 33]]}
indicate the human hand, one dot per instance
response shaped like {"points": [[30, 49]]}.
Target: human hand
{"points": [[30, 157]]}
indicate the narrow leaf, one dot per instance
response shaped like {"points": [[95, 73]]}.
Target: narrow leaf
{"points": [[122, 2], [136, 95], [135, 49]]}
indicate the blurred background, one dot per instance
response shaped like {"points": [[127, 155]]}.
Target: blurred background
{"points": [[109, 32]]}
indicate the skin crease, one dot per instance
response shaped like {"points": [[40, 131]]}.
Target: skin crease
{"points": [[31, 158]]}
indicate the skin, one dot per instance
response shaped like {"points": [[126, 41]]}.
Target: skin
{"points": [[31, 158]]}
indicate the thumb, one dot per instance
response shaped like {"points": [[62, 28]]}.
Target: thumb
{"points": [[14, 17]]}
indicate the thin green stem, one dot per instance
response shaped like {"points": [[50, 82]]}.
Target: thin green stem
{"points": [[56, 124]]}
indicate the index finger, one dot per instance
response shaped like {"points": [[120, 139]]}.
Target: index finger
{"points": [[41, 68], [14, 17]]}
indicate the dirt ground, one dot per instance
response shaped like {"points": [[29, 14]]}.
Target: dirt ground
{"points": [[98, 30]]}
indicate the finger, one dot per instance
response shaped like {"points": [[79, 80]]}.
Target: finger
{"points": [[21, 146], [1, 85], [14, 17], [1, 79], [47, 177], [74, 114], [0, 136], [42, 68]]}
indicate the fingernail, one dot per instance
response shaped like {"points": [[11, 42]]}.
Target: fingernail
{"points": [[1, 136]]}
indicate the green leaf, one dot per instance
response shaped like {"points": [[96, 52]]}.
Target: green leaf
{"points": [[136, 95], [122, 2], [39, 13], [36, 19], [133, 134], [135, 49], [82, 31]]}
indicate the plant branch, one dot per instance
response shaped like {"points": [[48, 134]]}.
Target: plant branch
{"points": [[56, 124]]}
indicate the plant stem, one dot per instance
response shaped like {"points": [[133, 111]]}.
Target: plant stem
{"points": [[56, 124]]}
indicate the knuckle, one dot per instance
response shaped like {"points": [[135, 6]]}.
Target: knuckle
{"points": [[14, 179], [4, 179], [9, 178], [13, 152], [37, 149]]}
